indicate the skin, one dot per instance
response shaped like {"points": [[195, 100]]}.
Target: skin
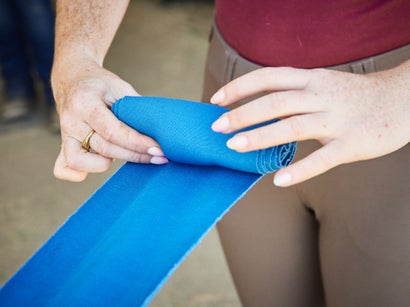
{"points": [[354, 117], [84, 92]]}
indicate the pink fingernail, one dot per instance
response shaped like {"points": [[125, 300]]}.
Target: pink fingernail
{"points": [[218, 97], [220, 124], [155, 151], [282, 179], [237, 142], [159, 160]]}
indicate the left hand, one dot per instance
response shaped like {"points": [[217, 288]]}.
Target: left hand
{"points": [[354, 117]]}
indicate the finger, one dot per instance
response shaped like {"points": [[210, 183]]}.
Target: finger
{"points": [[259, 81], [295, 128], [79, 159], [266, 108], [118, 89], [316, 163], [109, 150], [116, 132], [99, 145], [62, 171]]}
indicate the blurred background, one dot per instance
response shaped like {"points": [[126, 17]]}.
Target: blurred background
{"points": [[160, 49]]}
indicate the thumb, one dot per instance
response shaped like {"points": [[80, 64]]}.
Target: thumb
{"points": [[64, 172]]}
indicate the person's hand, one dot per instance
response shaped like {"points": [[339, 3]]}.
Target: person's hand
{"points": [[84, 94], [355, 117]]}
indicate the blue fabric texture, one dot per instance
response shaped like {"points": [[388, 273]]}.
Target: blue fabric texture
{"points": [[183, 129], [128, 238]]}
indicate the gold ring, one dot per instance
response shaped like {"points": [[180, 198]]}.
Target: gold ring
{"points": [[86, 143]]}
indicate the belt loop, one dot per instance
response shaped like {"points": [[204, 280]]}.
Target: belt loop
{"points": [[231, 58], [211, 35], [364, 66]]}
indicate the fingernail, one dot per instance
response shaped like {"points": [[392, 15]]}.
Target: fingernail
{"points": [[220, 124], [159, 160], [282, 179], [155, 151], [237, 142], [218, 97]]}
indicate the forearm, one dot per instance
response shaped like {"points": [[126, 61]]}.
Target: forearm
{"points": [[84, 32], [84, 92], [85, 28]]}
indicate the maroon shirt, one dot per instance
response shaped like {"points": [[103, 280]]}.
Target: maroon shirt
{"points": [[313, 33]]}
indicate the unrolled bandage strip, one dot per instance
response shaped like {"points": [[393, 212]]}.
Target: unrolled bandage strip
{"points": [[126, 240]]}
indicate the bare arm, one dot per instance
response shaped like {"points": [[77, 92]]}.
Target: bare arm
{"points": [[85, 91], [87, 28]]}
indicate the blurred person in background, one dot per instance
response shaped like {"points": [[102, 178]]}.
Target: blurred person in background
{"points": [[26, 52]]}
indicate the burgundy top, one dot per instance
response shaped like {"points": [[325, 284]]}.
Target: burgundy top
{"points": [[312, 33]]}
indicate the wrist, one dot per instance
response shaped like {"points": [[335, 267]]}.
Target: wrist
{"points": [[69, 70], [392, 87]]}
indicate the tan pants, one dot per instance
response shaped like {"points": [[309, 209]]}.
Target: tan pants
{"points": [[340, 239]]}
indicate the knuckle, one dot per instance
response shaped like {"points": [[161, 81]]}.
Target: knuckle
{"points": [[325, 75], [72, 161], [106, 165], [256, 138], [276, 102], [324, 159], [105, 129], [297, 126], [103, 148], [265, 75], [74, 101], [266, 72], [58, 173], [70, 111], [66, 117], [235, 119], [230, 89], [321, 72], [108, 133], [137, 158], [126, 87]]}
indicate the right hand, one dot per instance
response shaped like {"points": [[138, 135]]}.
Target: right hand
{"points": [[84, 93]]}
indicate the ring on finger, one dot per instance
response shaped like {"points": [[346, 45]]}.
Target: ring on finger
{"points": [[86, 143]]}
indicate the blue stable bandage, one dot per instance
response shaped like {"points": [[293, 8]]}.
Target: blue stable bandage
{"points": [[127, 239]]}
